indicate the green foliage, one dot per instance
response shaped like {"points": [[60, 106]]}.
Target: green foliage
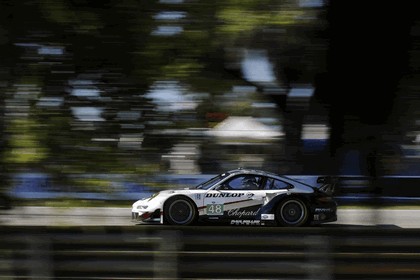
{"points": [[25, 143], [240, 20], [111, 48]]}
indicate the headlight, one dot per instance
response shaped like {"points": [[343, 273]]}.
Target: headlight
{"points": [[142, 207]]}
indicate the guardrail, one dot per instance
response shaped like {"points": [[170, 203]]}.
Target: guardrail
{"points": [[163, 252]]}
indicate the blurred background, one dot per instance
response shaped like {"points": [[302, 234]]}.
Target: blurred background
{"points": [[100, 99], [105, 101]]}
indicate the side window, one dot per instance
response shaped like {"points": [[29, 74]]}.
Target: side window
{"points": [[243, 182], [279, 185], [268, 184], [235, 183], [272, 184]]}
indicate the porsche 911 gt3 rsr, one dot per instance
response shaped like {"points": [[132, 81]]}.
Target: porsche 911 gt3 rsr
{"points": [[242, 197]]}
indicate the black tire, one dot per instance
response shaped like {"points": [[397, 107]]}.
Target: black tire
{"points": [[292, 212], [179, 211]]}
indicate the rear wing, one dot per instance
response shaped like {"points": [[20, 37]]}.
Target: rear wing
{"points": [[323, 183], [327, 184]]}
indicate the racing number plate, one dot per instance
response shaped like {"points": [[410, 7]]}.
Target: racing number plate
{"points": [[215, 209]]}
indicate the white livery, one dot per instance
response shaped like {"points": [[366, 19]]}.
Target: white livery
{"points": [[242, 197]]}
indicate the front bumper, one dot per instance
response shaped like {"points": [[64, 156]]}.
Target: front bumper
{"points": [[134, 216], [146, 217]]}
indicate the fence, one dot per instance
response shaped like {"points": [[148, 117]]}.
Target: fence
{"points": [[208, 252]]}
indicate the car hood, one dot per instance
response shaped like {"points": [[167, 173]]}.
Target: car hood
{"points": [[182, 190], [166, 193]]}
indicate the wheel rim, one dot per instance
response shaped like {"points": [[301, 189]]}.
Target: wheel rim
{"points": [[180, 211], [293, 212]]}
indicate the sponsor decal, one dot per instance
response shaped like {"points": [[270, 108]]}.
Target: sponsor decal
{"points": [[224, 194], [240, 213], [319, 217], [245, 222], [267, 216], [249, 195], [324, 210], [197, 196]]}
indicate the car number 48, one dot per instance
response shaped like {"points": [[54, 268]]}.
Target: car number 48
{"points": [[214, 209]]}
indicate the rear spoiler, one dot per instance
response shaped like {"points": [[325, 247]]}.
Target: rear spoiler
{"points": [[327, 184], [323, 183]]}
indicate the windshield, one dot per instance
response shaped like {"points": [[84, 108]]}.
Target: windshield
{"points": [[207, 185]]}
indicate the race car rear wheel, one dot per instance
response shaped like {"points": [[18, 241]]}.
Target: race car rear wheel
{"points": [[179, 211], [292, 212]]}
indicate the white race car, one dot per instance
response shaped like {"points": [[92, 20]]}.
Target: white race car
{"points": [[242, 197]]}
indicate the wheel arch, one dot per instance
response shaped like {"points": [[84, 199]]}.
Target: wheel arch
{"points": [[301, 197], [271, 206], [175, 196]]}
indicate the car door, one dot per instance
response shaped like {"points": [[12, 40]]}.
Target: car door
{"points": [[237, 198]]}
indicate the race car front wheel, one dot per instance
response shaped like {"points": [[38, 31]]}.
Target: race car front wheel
{"points": [[179, 211], [292, 212]]}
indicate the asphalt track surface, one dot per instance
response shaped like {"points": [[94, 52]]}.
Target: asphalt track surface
{"points": [[110, 216]]}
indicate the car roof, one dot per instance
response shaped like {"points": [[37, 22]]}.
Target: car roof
{"points": [[265, 173], [252, 171]]}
